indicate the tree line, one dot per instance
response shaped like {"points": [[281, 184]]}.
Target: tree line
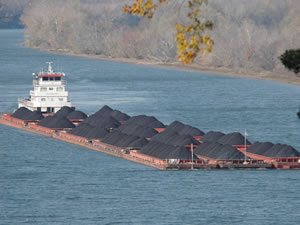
{"points": [[248, 35], [10, 12]]}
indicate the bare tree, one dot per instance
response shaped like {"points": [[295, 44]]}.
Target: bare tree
{"points": [[248, 35]]}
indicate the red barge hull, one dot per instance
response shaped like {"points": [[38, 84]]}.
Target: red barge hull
{"points": [[257, 162]]}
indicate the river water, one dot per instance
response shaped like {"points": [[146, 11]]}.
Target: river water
{"points": [[45, 181]]}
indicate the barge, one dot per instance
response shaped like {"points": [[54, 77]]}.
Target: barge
{"points": [[134, 155], [140, 139]]}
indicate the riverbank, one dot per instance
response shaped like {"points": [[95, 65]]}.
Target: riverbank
{"points": [[284, 77]]}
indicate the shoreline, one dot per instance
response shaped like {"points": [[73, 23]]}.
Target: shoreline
{"points": [[222, 71]]}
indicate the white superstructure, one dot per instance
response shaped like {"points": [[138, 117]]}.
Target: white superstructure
{"points": [[49, 92]]}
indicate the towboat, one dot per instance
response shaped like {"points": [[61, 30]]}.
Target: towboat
{"points": [[49, 92]]}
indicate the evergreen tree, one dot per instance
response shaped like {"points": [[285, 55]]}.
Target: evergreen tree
{"points": [[291, 60]]}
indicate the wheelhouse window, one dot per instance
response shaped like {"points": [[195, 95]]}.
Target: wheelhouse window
{"points": [[45, 78], [51, 78], [57, 78]]}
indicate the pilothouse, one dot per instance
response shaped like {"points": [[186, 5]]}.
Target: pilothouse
{"points": [[49, 92]]}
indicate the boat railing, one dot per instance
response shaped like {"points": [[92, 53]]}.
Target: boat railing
{"points": [[25, 101]]}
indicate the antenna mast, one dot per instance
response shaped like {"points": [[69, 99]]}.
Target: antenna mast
{"points": [[245, 147], [192, 151]]}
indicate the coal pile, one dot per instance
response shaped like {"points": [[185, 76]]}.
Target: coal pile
{"points": [[99, 124], [82, 129], [165, 151], [106, 111], [260, 148], [175, 126], [133, 132], [21, 113], [208, 149], [35, 116], [107, 118], [175, 139], [25, 114], [234, 138], [92, 119], [96, 132], [182, 140], [229, 152], [183, 129], [90, 131], [181, 153], [138, 143], [148, 121], [212, 136], [218, 151], [105, 122], [273, 150], [282, 150], [64, 111], [45, 121], [157, 149], [137, 130], [76, 115], [119, 115], [119, 139], [58, 122]]}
